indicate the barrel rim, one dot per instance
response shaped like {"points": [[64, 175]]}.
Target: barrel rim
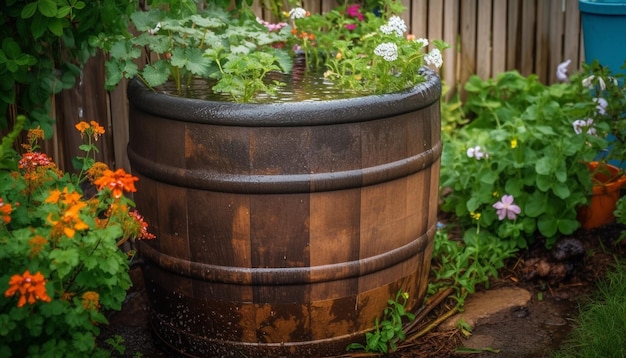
{"points": [[304, 113]]}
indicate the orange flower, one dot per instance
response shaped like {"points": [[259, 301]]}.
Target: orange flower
{"points": [[82, 127], [90, 129], [5, 212], [36, 244], [96, 171], [91, 300], [65, 197], [117, 181], [70, 222], [98, 130], [30, 288]]}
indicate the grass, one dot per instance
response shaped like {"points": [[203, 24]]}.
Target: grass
{"points": [[601, 325]]}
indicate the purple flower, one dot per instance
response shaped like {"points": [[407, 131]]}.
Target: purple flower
{"points": [[505, 207]]}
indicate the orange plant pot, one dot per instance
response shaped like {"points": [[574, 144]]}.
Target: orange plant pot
{"points": [[606, 192]]}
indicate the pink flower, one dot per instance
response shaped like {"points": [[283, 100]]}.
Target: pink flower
{"points": [[505, 207], [350, 26], [353, 11]]}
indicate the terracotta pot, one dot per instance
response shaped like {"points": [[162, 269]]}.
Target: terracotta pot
{"points": [[283, 229], [606, 192]]}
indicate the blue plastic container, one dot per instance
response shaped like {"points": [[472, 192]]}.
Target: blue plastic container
{"points": [[604, 32]]}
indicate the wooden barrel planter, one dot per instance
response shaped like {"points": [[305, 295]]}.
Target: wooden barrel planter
{"points": [[283, 229]]}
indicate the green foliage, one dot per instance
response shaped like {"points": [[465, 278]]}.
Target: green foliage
{"points": [[44, 44], [620, 215], [213, 44], [346, 40], [236, 52], [467, 263], [531, 152], [60, 262], [388, 332], [602, 320]]}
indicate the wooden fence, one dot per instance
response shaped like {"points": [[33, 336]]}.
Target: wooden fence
{"points": [[486, 37]]}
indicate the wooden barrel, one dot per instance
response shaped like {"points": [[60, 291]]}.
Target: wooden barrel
{"points": [[283, 229]]}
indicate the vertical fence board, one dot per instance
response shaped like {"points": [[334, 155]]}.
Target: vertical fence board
{"points": [[557, 24], [483, 39], [435, 25], [572, 39], [542, 48], [119, 124], [527, 54], [499, 30], [468, 40], [419, 21], [450, 31], [512, 34]]}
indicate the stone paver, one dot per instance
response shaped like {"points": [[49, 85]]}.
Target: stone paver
{"points": [[481, 305]]}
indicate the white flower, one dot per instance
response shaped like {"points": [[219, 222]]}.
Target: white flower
{"points": [[476, 152], [434, 58], [580, 124], [424, 42], [602, 104], [561, 71], [388, 51], [297, 13], [395, 24], [587, 82], [155, 30]]}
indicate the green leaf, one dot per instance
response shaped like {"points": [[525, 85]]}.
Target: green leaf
{"points": [[56, 27], [64, 261], [568, 226], [38, 27], [544, 166], [535, 205], [547, 226], [29, 10], [83, 342], [48, 8], [157, 73], [561, 190]]}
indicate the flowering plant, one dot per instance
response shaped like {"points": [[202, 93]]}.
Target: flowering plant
{"points": [[518, 169], [604, 94], [60, 262], [363, 50]]}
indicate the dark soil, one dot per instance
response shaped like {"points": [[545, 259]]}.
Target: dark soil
{"points": [[557, 288]]}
